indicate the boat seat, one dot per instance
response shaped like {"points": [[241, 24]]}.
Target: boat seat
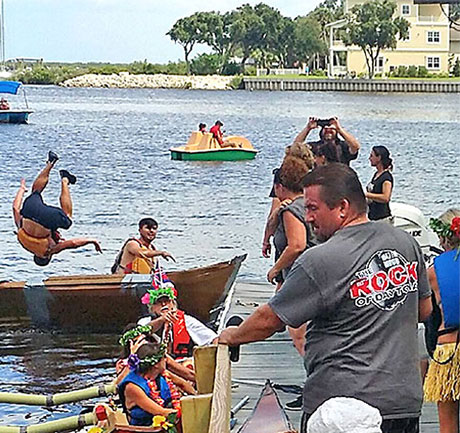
{"points": [[206, 141], [195, 138]]}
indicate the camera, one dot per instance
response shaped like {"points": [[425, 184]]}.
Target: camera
{"points": [[323, 122]]}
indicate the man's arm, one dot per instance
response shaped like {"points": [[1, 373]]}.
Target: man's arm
{"points": [[75, 243], [257, 327], [352, 142], [17, 203], [302, 136], [135, 249]]}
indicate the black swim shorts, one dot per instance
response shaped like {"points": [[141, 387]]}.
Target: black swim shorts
{"points": [[51, 217]]}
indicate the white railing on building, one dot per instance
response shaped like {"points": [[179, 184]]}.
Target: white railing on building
{"points": [[279, 71]]}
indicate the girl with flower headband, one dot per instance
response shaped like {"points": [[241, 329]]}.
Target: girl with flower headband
{"points": [[135, 336], [149, 390], [442, 384]]}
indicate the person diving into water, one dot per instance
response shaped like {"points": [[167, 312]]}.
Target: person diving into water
{"points": [[38, 223]]}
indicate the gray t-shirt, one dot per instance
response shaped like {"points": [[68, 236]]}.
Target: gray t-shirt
{"points": [[360, 289]]}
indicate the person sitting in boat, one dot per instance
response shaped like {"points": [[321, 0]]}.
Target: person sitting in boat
{"points": [[137, 256], [4, 104], [217, 132], [148, 390], [38, 223], [186, 332], [202, 128], [135, 336]]}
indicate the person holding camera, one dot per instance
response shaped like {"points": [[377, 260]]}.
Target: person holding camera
{"points": [[331, 129]]}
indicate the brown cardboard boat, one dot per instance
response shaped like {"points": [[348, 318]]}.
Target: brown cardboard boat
{"points": [[107, 303]]}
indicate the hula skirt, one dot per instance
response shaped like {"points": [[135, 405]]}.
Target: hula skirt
{"points": [[442, 382]]}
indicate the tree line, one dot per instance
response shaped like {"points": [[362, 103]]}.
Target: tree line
{"points": [[260, 32], [264, 34]]}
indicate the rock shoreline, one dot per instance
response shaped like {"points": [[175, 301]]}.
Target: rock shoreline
{"points": [[125, 80]]}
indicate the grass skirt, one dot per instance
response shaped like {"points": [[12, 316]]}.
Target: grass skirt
{"points": [[442, 382]]}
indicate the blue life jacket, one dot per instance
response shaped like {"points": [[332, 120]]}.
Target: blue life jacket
{"points": [[137, 415], [448, 276]]}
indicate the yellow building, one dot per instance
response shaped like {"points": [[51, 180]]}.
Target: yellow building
{"points": [[430, 42]]}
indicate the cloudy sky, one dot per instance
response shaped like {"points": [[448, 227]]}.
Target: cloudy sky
{"points": [[110, 30]]}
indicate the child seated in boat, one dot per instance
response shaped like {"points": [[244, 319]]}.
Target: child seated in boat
{"points": [[148, 390], [186, 332], [202, 128], [133, 337]]}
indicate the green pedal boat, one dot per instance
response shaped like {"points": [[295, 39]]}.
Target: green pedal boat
{"points": [[203, 147]]}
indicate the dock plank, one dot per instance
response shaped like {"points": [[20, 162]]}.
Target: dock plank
{"points": [[276, 359]]}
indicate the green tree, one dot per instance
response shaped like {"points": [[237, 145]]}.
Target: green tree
{"points": [[308, 41], [456, 68], [222, 33], [189, 31], [251, 31], [373, 27]]}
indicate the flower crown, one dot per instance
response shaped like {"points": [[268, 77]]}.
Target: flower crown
{"points": [[134, 362], [152, 296], [446, 230], [134, 333]]}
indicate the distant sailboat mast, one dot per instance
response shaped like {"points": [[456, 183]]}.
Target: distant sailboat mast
{"points": [[2, 34]]}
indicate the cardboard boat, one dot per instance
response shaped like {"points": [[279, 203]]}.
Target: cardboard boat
{"points": [[107, 303]]}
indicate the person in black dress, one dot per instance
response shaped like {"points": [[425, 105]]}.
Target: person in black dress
{"points": [[380, 187]]}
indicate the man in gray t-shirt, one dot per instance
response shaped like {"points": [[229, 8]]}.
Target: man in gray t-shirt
{"points": [[364, 290]]}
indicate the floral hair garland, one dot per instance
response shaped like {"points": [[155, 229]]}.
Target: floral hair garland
{"points": [[134, 362], [152, 296], [134, 333], [446, 230]]}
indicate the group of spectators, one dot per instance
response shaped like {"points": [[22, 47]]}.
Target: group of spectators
{"points": [[351, 289]]}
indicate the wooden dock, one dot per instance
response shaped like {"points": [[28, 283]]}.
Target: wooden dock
{"points": [[277, 360]]}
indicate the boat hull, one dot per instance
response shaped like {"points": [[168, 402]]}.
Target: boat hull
{"points": [[107, 303], [13, 116], [213, 155]]}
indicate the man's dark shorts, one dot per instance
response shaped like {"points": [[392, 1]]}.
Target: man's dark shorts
{"points": [[51, 217]]}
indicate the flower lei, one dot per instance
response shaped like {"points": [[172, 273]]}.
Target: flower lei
{"points": [[134, 362], [446, 230], [153, 295], [167, 424], [134, 333], [175, 394]]}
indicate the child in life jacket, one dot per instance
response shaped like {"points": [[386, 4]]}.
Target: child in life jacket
{"points": [[149, 390], [185, 332]]}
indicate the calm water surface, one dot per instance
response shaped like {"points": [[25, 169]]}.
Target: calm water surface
{"points": [[116, 141]]}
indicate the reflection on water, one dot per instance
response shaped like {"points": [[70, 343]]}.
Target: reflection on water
{"points": [[117, 141]]}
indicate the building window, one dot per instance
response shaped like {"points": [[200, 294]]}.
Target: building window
{"points": [[405, 10], [433, 63], [433, 37]]}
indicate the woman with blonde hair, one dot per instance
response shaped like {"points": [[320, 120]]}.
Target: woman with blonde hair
{"points": [[442, 383]]}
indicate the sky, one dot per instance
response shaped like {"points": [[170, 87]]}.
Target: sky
{"points": [[115, 31]]}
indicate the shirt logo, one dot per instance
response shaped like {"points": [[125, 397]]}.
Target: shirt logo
{"points": [[385, 281]]}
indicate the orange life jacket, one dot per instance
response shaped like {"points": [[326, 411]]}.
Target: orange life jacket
{"points": [[182, 344], [37, 246], [138, 266]]}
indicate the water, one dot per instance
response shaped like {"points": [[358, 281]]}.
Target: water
{"points": [[116, 141]]}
